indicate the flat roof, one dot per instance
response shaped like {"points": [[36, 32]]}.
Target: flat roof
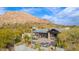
{"points": [[41, 30], [46, 30]]}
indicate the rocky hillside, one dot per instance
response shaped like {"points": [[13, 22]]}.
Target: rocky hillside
{"points": [[19, 17]]}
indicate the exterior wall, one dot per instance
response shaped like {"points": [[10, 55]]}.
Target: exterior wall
{"points": [[48, 36], [40, 35]]}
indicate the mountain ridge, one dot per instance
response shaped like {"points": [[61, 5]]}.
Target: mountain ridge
{"points": [[20, 17]]}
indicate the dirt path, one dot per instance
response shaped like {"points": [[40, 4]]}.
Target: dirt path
{"points": [[23, 47]]}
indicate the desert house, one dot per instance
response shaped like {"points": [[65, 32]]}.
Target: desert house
{"points": [[46, 36], [46, 33]]}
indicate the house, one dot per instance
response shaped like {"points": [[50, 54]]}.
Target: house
{"points": [[49, 34], [46, 37]]}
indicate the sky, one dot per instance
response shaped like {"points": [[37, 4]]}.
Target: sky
{"points": [[57, 15]]}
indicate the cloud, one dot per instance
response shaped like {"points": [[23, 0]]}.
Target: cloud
{"points": [[68, 16], [54, 19], [55, 10], [47, 17], [68, 12]]}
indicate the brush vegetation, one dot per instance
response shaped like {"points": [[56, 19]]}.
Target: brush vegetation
{"points": [[68, 39]]}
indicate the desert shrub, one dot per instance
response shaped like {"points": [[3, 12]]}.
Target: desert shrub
{"points": [[70, 39], [8, 35]]}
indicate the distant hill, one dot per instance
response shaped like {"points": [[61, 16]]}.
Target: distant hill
{"points": [[19, 17]]}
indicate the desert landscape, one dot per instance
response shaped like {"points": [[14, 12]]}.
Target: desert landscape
{"points": [[21, 31]]}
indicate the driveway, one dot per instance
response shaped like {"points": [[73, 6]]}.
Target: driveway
{"points": [[23, 47]]}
